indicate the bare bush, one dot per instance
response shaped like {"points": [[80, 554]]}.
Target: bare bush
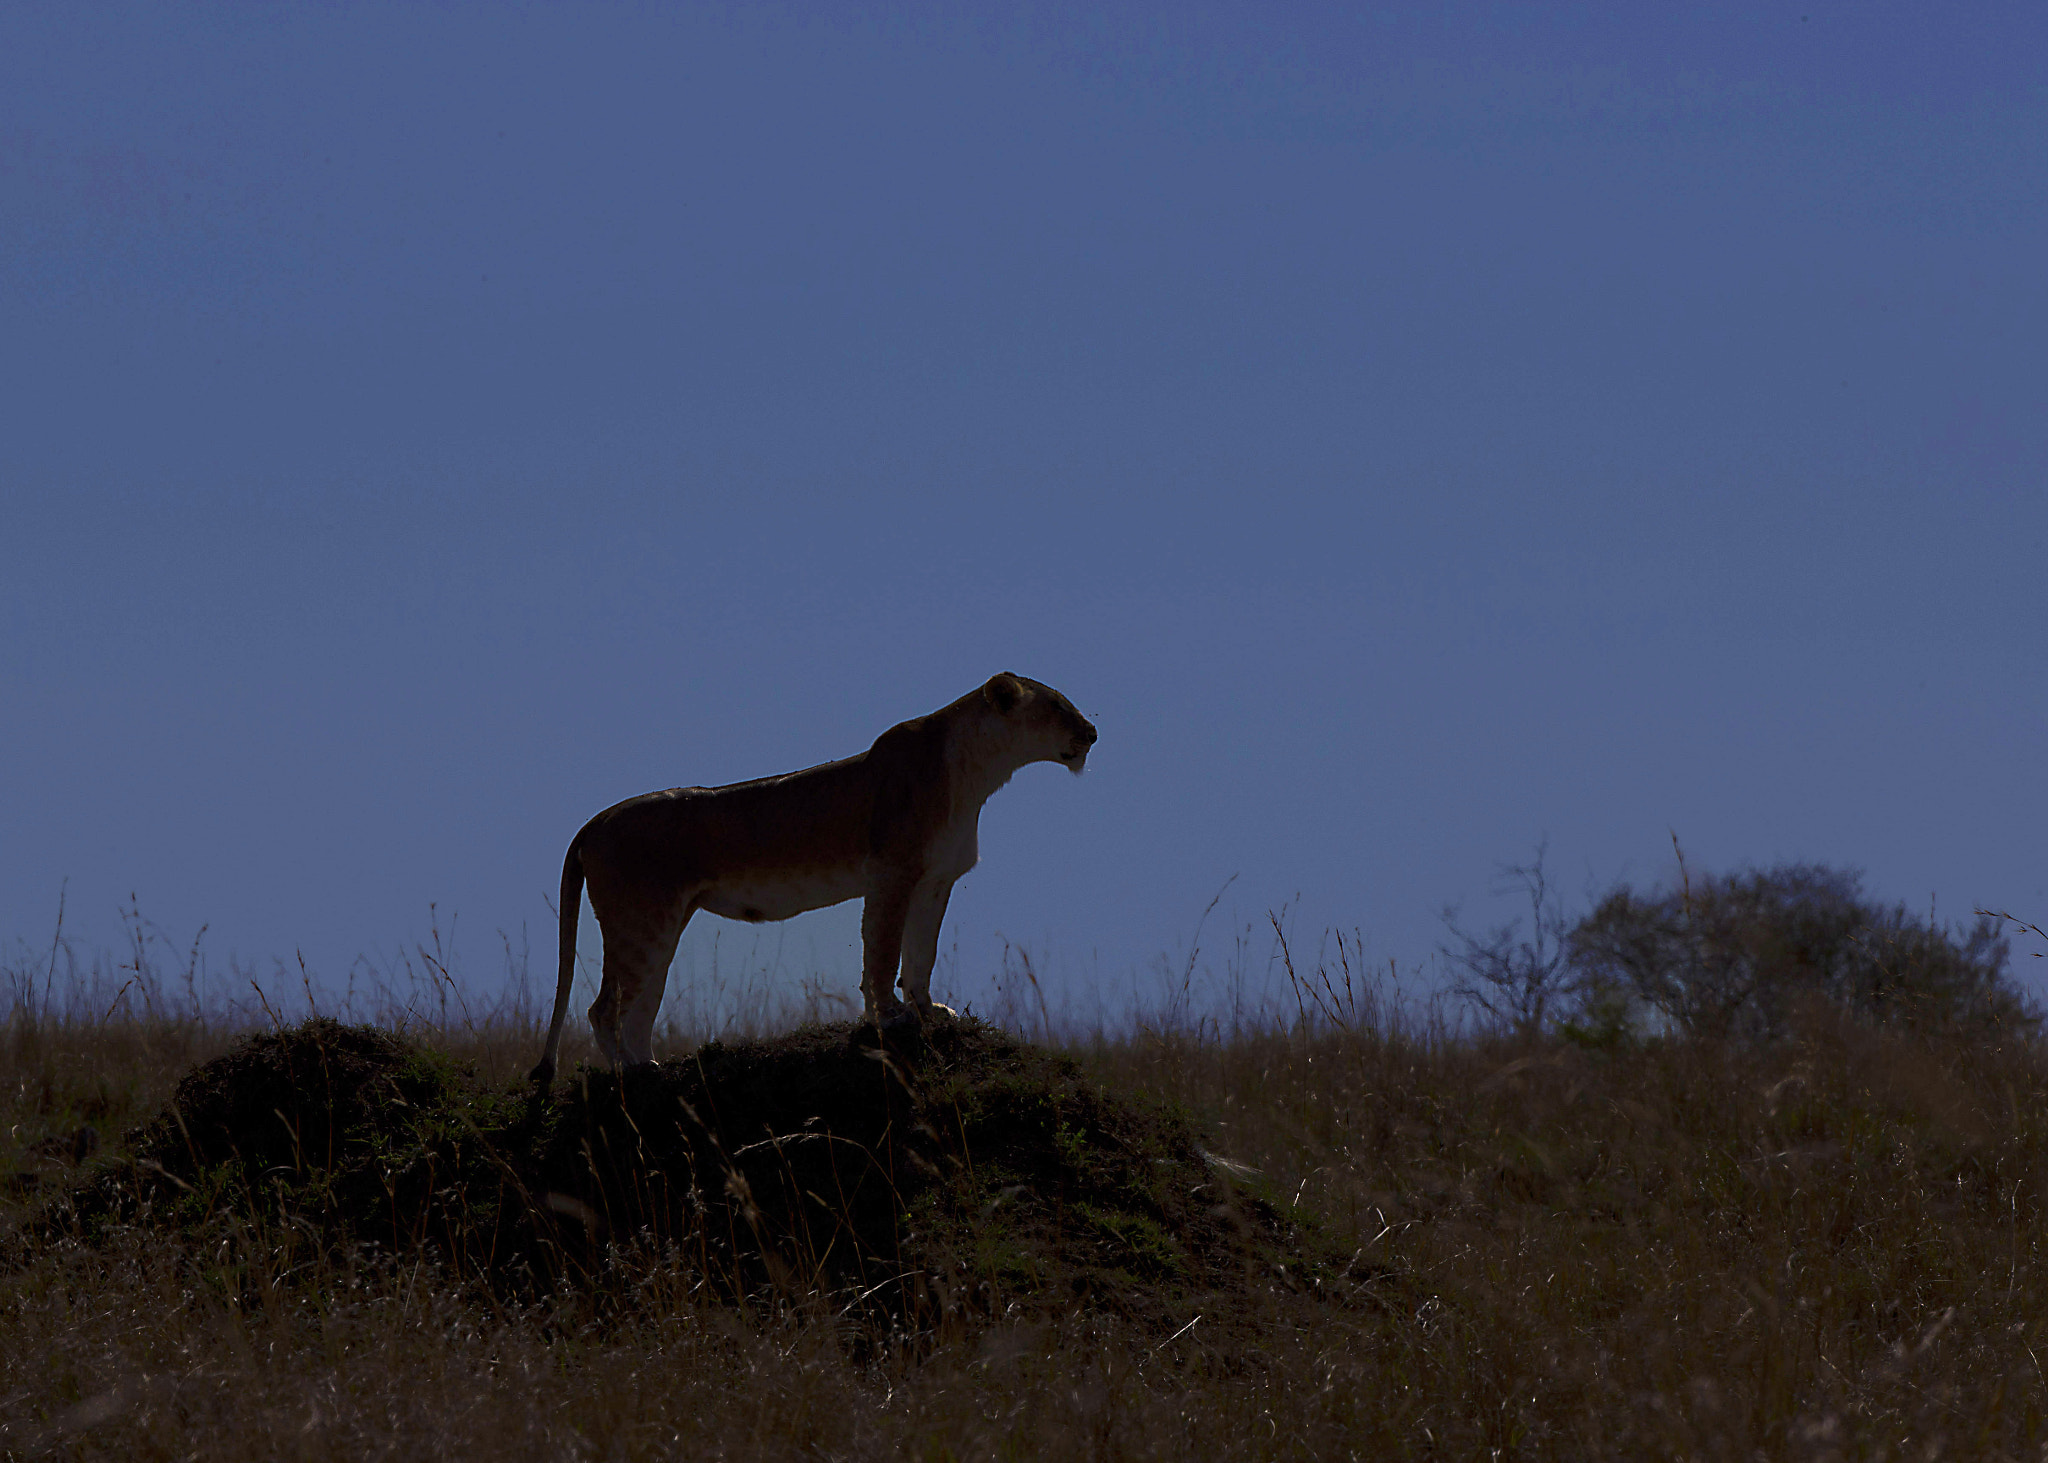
{"points": [[1519, 981]]}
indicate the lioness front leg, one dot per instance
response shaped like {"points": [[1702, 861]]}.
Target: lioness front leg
{"points": [[882, 917], [921, 940]]}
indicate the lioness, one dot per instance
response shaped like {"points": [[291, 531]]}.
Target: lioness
{"points": [[894, 825]]}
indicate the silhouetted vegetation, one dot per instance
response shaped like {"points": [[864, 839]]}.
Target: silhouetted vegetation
{"points": [[1737, 954], [1733, 956], [1517, 980]]}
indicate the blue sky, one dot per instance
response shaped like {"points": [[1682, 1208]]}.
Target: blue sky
{"points": [[1409, 433]]}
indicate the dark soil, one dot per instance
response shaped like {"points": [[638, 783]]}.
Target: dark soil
{"points": [[948, 1172]]}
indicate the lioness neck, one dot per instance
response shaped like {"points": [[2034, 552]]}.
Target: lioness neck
{"points": [[979, 761]]}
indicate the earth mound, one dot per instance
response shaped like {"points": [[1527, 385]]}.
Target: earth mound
{"points": [[953, 1167], [944, 1171], [295, 1098]]}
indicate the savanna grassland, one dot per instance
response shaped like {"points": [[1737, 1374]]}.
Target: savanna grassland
{"points": [[1338, 1232]]}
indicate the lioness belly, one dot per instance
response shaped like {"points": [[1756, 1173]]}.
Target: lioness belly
{"points": [[757, 897]]}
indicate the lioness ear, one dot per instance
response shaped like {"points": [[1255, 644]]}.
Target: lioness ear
{"points": [[1004, 692]]}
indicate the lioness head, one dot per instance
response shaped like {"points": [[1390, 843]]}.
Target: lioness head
{"points": [[1034, 710]]}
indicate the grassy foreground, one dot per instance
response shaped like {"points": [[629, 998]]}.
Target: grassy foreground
{"points": [[1452, 1246]]}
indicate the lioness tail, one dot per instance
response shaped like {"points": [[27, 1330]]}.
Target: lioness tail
{"points": [[572, 911]]}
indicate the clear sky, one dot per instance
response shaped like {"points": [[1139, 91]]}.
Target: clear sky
{"points": [[1409, 431]]}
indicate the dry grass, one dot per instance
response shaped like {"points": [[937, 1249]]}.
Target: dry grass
{"points": [[1827, 1248]]}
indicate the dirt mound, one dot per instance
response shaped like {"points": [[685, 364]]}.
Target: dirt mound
{"points": [[351, 1133], [955, 1168], [299, 1098], [952, 1171]]}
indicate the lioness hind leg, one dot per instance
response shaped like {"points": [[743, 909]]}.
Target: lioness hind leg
{"points": [[604, 1014], [636, 966]]}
